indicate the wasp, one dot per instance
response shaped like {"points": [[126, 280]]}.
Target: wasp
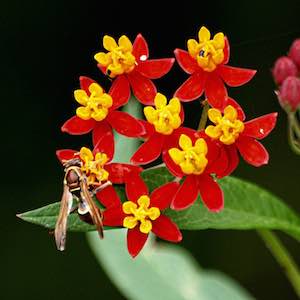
{"points": [[76, 188]]}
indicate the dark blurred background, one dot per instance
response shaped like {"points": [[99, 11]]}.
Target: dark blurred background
{"points": [[45, 47]]}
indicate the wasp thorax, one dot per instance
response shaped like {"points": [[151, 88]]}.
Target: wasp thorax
{"points": [[72, 177]]}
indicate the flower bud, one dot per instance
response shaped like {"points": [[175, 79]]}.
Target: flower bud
{"points": [[283, 68], [289, 93], [294, 52]]}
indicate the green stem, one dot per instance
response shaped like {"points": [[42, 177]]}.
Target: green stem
{"points": [[283, 258], [203, 119], [294, 144], [294, 123]]}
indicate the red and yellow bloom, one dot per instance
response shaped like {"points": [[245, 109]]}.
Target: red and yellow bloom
{"points": [[162, 122], [233, 134], [206, 60], [130, 62], [194, 157], [143, 213], [98, 111]]}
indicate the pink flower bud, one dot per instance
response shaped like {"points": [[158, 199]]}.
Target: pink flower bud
{"points": [[283, 68], [294, 53], [289, 93]]}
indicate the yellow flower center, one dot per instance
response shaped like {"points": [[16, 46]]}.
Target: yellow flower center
{"points": [[93, 166], [119, 58], [140, 213], [94, 106], [165, 118], [191, 159], [227, 128], [208, 53]]}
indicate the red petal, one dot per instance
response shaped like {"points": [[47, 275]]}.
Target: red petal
{"points": [[102, 69], [149, 129], [155, 68], [172, 167], [135, 188], [113, 216], [149, 151], [135, 241], [140, 48], [211, 194], [65, 154], [218, 165], [118, 172], [186, 62], [215, 91], [77, 126], [233, 160], [120, 92], [260, 127], [241, 114], [252, 151], [143, 88], [186, 195], [125, 124], [226, 51], [167, 230], [235, 76], [162, 197], [103, 139], [108, 197], [192, 88], [85, 82]]}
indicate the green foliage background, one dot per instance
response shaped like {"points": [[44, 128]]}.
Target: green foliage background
{"points": [[45, 46]]}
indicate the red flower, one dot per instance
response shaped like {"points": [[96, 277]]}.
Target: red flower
{"points": [[143, 214], [206, 61], [193, 156], [163, 122], [130, 63], [99, 111], [99, 169], [232, 134]]}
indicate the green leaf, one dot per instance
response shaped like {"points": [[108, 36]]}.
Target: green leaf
{"points": [[160, 272], [247, 206]]}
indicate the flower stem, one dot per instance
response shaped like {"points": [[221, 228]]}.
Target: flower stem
{"points": [[283, 258], [293, 142], [203, 119]]}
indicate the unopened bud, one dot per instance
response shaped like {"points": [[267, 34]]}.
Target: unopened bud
{"points": [[283, 68], [294, 52], [289, 93]]}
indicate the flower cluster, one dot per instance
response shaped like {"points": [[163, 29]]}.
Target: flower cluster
{"points": [[196, 158]]}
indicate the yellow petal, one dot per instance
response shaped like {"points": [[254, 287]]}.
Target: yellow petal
{"points": [[129, 207], [174, 105], [86, 154], [145, 226], [103, 175], [219, 41], [187, 167], [201, 162], [104, 59], [218, 57], [175, 122], [109, 43], [227, 139], [204, 34], [81, 97], [153, 213], [230, 113], [214, 115], [201, 146], [130, 222], [125, 43], [83, 113], [193, 47], [106, 100], [185, 142], [203, 61], [213, 132], [160, 100], [150, 114], [144, 201], [116, 69], [176, 155], [99, 114], [96, 89]]}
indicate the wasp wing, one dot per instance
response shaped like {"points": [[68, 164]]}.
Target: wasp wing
{"points": [[94, 211], [60, 231]]}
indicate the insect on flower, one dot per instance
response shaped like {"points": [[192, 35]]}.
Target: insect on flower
{"points": [[80, 187]]}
